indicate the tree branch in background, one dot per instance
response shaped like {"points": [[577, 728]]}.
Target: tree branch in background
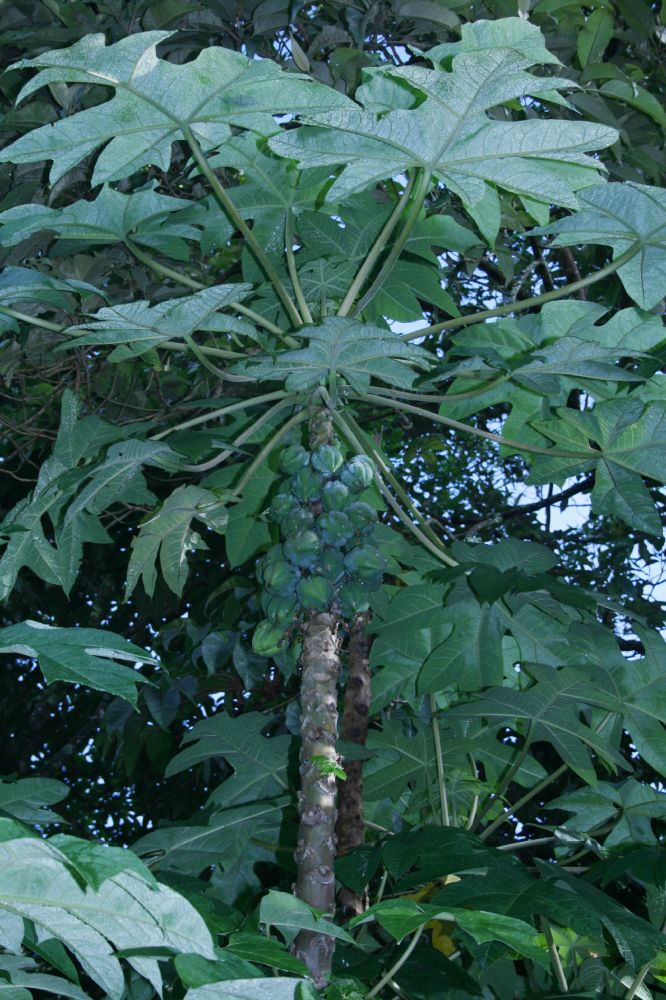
{"points": [[350, 830], [518, 510]]}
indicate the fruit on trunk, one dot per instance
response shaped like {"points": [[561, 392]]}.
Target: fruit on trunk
{"points": [[294, 458], [327, 459], [361, 515], [314, 592], [280, 610], [335, 528], [332, 564], [306, 485], [365, 563], [302, 549], [281, 506], [298, 519], [354, 599], [358, 473], [335, 495], [281, 578], [267, 639]]}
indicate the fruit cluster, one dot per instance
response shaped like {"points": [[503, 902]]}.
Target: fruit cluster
{"points": [[328, 558]]}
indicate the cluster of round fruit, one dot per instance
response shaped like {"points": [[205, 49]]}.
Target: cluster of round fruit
{"points": [[328, 558]]}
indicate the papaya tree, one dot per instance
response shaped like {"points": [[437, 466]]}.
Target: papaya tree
{"points": [[292, 251]]}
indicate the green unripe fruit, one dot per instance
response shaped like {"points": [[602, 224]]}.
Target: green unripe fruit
{"points": [[335, 496], [327, 459], [335, 528], [299, 519], [272, 555], [282, 505], [294, 458], [332, 564], [302, 549], [280, 610], [358, 473], [365, 563], [361, 515], [306, 485], [281, 578], [314, 592], [267, 639], [353, 599]]}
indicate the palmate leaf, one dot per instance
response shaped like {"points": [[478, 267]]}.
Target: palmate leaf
{"points": [[71, 490], [38, 885], [405, 633], [269, 189], [110, 218], [336, 246], [502, 33], [566, 901], [410, 284], [470, 658], [621, 216], [27, 545], [259, 762], [552, 705], [275, 988], [636, 940], [624, 440], [169, 534], [78, 656], [94, 863], [139, 326], [21, 978], [155, 101], [399, 762], [507, 343], [634, 688], [342, 347], [631, 805], [291, 914], [227, 838], [401, 917], [551, 353], [627, 332], [28, 799], [118, 476], [579, 361], [450, 135], [24, 285]]}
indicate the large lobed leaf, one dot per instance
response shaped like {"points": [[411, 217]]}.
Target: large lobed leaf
{"points": [[39, 885], [342, 347], [622, 440], [155, 101], [169, 534], [53, 552], [78, 656], [259, 762], [450, 135], [623, 216], [111, 217], [136, 327]]}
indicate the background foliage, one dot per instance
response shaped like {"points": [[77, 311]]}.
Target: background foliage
{"points": [[553, 774]]}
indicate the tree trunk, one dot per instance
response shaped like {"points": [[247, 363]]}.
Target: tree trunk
{"points": [[354, 729], [315, 852]]}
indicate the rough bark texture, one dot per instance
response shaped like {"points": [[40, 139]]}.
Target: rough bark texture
{"points": [[354, 729], [315, 852]]}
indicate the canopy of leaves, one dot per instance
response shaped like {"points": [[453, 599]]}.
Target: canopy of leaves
{"points": [[244, 204]]}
